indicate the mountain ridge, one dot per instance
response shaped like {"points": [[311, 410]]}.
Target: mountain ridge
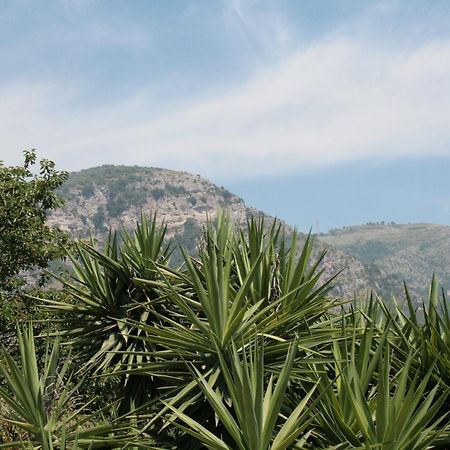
{"points": [[114, 196], [410, 252]]}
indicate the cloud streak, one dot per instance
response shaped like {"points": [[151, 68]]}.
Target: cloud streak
{"points": [[337, 99]]}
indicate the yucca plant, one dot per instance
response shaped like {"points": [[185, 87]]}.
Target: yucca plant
{"points": [[429, 335], [222, 296], [371, 404], [190, 344], [224, 293], [44, 404], [103, 295], [133, 315], [252, 409]]}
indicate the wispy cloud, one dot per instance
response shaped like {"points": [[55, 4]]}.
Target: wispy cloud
{"points": [[265, 30], [339, 98]]}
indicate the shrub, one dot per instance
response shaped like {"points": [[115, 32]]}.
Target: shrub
{"points": [[158, 193], [98, 219]]}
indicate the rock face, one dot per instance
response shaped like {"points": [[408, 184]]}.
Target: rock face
{"points": [[111, 196], [115, 196], [410, 252]]}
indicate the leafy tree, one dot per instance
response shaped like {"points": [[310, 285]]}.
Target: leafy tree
{"points": [[26, 241]]}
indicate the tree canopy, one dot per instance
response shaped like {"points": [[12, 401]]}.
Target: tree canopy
{"points": [[26, 240]]}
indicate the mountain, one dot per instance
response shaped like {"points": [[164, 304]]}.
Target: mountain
{"points": [[114, 196], [410, 252]]}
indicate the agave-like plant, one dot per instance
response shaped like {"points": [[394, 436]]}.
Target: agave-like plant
{"points": [[104, 296], [201, 349], [134, 315], [370, 403], [253, 409], [428, 336], [233, 287], [238, 285], [44, 403]]}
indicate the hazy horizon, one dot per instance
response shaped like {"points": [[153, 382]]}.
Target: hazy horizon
{"points": [[305, 201]]}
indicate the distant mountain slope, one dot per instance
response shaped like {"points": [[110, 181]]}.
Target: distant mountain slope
{"points": [[407, 252], [115, 196]]}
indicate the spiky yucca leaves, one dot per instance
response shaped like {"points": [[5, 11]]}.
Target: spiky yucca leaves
{"points": [[286, 271], [180, 332], [44, 403], [369, 403], [355, 355], [429, 336], [235, 286], [132, 314], [240, 284], [253, 410], [104, 295]]}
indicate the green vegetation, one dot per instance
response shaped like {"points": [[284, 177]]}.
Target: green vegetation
{"points": [[102, 176], [171, 189], [241, 346], [158, 193], [37, 402], [192, 200], [26, 241], [369, 251], [98, 219], [120, 185], [191, 234]]}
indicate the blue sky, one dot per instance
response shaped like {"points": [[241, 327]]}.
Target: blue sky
{"points": [[405, 190], [345, 102]]}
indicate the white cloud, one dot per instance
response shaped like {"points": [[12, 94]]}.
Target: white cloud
{"points": [[336, 100]]}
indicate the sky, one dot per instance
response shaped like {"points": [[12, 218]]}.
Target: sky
{"points": [[326, 113]]}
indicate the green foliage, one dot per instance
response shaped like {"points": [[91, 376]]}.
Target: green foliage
{"points": [[190, 235], [106, 296], [172, 189], [414, 251], [226, 194], [43, 404], [192, 200], [17, 307], [118, 176], [158, 193], [240, 347], [117, 205], [26, 241], [121, 186], [370, 250], [98, 219], [377, 398], [87, 190], [257, 411], [135, 316], [427, 336]]}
